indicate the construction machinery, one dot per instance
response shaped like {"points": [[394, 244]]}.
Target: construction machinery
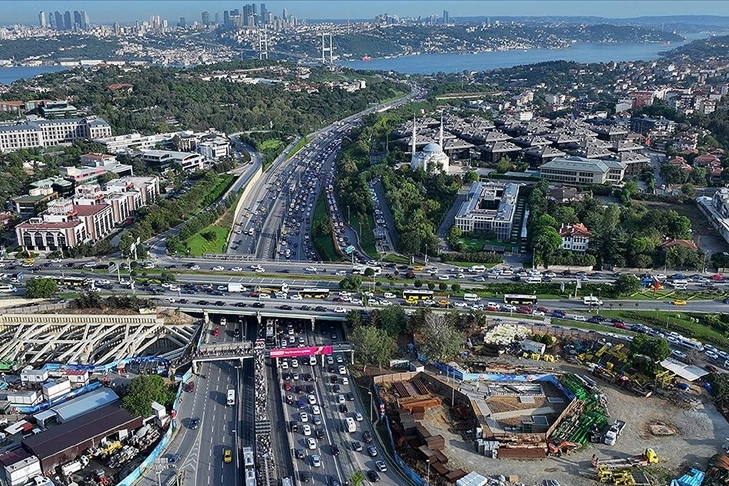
{"points": [[557, 448], [625, 477], [647, 458]]}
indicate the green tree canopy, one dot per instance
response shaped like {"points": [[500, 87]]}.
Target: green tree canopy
{"points": [[41, 288], [143, 390], [626, 284], [440, 340], [372, 346]]}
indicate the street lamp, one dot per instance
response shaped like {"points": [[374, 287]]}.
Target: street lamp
{"points": [[372, 417], [427, 461]]}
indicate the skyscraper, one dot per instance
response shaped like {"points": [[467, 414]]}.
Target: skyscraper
{"points": [[58, 16], [217, 18], [445, 17], [205, 18], [183, 24], [264, 14], [67, 23], [226, 18], [42, 20]]}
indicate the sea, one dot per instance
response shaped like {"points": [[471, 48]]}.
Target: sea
{"points": [[485, 61], [14, 73]]}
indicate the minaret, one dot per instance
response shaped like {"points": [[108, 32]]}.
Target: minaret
{"points": [[440, 137], [413, 141]]}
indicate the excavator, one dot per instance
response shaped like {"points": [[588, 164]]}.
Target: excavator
{"points": [[557, 448]]}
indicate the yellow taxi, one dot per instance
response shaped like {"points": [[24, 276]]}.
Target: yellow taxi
{"points": [[418, 268], [443, 303], [679, 302], [228, 456]]}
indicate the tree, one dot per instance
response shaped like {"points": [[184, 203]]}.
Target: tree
{"points": [[143, 390], [470, 177], [41, 288], [455, 288], [626, 284], [352, 282], [372, 346], [391, 319], [441, 341], [689, 190], [546, 243], [655, 349]]}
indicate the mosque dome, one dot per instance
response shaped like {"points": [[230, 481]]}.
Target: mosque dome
{"points": [[432, 148]]}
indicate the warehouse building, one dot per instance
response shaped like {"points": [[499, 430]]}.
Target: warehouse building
{"points": [[68, 440], [17, 467], [76, 407]]}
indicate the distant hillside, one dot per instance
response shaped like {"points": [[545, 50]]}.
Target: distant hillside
{"points": [[701, 49]]}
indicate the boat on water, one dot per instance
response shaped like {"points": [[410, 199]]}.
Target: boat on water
{"points": [[366, 58]]}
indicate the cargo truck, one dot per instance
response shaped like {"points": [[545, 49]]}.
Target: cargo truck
{"points": [[641, 460], [611, 436], [235, 287]]}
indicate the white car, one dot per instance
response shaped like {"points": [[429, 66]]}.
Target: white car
{"points": [[311, 443], [580, 318], [311, 399], [342, 370], [389, 295], [443, 277], [358, 417], [508, 307], [461, 305], [295, 297], [340, 310], [260, 270], [264, 297], [218, 268], [306, 429], [311, 269], [237, 269], [304, 417], [316, 460], [315, 410]]}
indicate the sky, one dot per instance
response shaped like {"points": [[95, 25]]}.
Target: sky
{"points": [[125, 11]]}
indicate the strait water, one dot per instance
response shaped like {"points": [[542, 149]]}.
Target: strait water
{"points": [[10, 74]]}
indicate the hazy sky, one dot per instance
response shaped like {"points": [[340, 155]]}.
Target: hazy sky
{"points": [[105, 11]]}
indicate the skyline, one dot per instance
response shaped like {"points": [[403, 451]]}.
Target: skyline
{"points": [[126, 11]]}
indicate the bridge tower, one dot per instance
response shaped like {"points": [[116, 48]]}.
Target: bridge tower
{"points": [[326, 48], [262, 43]]}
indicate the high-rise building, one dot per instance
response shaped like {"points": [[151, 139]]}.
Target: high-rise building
{"points": [[205, 17], [284, 17], [59, 20], [67, 22], [42, 19], [182, 23], [226, 18], [446, 18], [264, 14], [217, 18]]}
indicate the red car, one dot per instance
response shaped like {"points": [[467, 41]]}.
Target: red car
{"points": [[216, 332], [287, 386], [619, 324], [190, 386]]}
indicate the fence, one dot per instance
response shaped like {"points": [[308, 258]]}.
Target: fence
{"points": [[157, 451]]}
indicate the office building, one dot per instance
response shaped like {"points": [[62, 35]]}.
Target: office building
{"points": [[46, 133], [205, 17], [446, 18], [489, 206], [67, 22], [182, 24], [42, 19], [579, 170], [58, 16]]}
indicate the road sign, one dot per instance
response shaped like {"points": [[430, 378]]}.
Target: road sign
{"points": [[349, 250]]}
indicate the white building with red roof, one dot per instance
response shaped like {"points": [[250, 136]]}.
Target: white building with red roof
{"points": [[575, 237]]}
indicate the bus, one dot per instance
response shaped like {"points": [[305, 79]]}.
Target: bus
{"points": [[71, 281], [471, 297], [519, 299], [231, 398], [314, 293], [272, 288], [415, 295], [361, 269], [248, 459], [351, 425]]}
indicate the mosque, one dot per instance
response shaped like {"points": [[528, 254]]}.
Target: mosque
{"points": [[432, 157]]}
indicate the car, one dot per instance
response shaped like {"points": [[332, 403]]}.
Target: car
{"points": [[311, 399], [228, 456], [343, 408], [294, 426], [295, 297], [358, 417], [190, 386], [305, 476], [218, 268], [306, 429], [305, 308], [342, 370], [219, 303], [304, 417], [332, 481], [579, 318], [372, 451], [367, 436], [315, 410], [679, 302], [285, 307], [381, 466], [341, 399], [334, 448], [260, 270], [711, 368], [216, 332], [258, 305], [356, 446], [299, 453], [336, 388], [194, 423], [349, 396], [320, 308], [373, 476], [340, 310], [316, 460], [319, 434], [311, 443]]}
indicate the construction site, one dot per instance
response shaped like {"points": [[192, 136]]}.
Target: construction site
{"points": [[449, 421]]}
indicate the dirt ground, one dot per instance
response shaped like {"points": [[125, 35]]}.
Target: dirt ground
{"points": [[682, 438]]}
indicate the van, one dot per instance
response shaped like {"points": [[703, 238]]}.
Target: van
{"points": [[350, 424], [533, 279], [471, 297], [591, 300], [230, 401], [477, 269]]}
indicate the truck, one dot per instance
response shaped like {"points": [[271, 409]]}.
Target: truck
{"points": [[235, 287], [646, 459], [611, 436]]}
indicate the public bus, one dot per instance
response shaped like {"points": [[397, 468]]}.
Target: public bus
{"points": [[314, 293], [520, 299], [415, 295], [272, 288], [361, 269], [71, 281]]}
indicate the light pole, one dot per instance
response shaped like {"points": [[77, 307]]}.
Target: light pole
{"points": [[372, 417], [427, 461]]}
